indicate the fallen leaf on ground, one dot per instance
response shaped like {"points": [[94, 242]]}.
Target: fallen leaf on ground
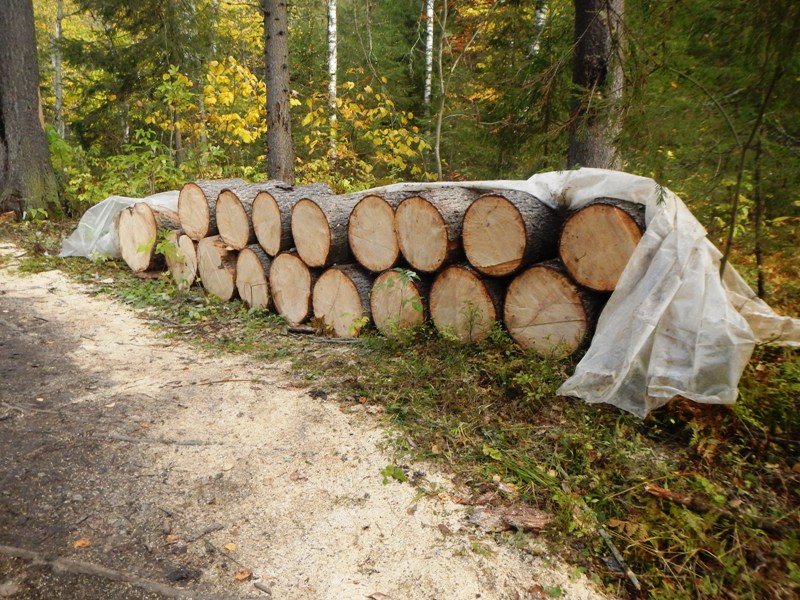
{"points": [[297, 476], [81, 543], [171, 538], [243, 575], [230, 547]]}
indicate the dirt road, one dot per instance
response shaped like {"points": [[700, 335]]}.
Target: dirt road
{"points": [[135, 466]]}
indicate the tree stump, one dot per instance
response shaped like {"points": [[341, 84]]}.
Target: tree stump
{"points": [[197, 203], [252, 277], [216, 265], [272, 215], [428, 226], [234, 212], [507, 230], [291, 282], [341, 300], [597, 241], [398, 301], [138, 230], [370, 231], [465, 304], [181, 258], [319, 229], [549, 313]]}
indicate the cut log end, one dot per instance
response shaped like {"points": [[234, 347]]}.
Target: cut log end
{"points": [[193, 211], [252, 277], [494, 236], [462, 305], [233, 222], [545, 311], [421, 234], [597, 242], [138, 229], [311, 233], [181, 258], [396, 303], [267, 222], [291, 282], [372, 235], [339, 303], [216, 264]]}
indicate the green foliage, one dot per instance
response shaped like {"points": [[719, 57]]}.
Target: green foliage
{"points": [[390, 472]]}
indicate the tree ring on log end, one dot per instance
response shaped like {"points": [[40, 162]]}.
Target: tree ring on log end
{"points": [[232, 220], [251, 279], [193, 211], [338, 304], [311, 232], [416, 217], [267, 222], [216, 264], [371, 234], [597, 242], [396, 303], [494, 236], [461, 305], [291, 282], [543, 311]]}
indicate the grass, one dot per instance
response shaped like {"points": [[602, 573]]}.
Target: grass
{"points": [[701, 501]]}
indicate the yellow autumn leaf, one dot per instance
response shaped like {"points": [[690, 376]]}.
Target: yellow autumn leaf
{"points": [[230, 547], [81, 543]]}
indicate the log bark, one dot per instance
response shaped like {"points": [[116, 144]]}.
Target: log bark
{"points": [[272, 215], [341, 300], [181, 259], [371, 233], [138, 229], [216, 265], [398, 302], [197, 203], [597, 241], [319, 229], [464, 303], [428, 226], [547, 312], [252, 277], [234, 210], [507, 230], [291, 282]]}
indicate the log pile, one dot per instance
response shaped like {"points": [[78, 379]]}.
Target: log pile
{"points": [[459, 258]]}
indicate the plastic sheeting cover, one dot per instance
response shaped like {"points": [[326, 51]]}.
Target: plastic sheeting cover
{"points": [[672, 327], [95, 234]]}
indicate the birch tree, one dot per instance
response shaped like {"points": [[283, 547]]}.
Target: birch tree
{"points": [[332, 66], [428, 52]]}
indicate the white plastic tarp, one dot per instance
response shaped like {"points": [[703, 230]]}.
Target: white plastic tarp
{"points": [[672, 326], [95, 234]]}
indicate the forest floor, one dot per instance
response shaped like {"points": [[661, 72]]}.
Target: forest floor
{"points": [[137, 466]]}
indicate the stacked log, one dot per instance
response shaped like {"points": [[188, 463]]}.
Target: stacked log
{"points": [[138, 228], [483, 257]]}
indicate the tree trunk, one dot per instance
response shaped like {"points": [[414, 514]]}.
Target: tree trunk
{"points": [[27, 180], [597, 241], [426, 96], [291, 282], [428, 226], [216, 264], [598, 81], [465, 304], [58, 80], [272, 215], [319, 229], [332, 68], [252, 277], [398, 302], [341, 300], [280, 153], [138, 230], [181, 258], [370, 231], [546, 311], [234, 212], [505, 231], [197, 205]]}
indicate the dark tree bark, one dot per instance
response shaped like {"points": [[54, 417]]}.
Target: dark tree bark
{"points": [[598, 80], [27, 180], [280, 154]]}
